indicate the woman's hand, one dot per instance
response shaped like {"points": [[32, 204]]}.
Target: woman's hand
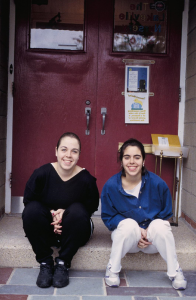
{"points": [[143, 242], [57, 219]]}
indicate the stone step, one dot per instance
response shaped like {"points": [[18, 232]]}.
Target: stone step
{"points": [[15, 250]]}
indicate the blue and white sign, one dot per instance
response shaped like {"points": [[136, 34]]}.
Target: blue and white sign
{"points": [[137, 94]]}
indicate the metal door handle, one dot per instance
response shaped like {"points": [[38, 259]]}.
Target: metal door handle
{"points": [[103, 112], [87, 113]]}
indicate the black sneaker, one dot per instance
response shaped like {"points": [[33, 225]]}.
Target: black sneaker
{"points": [[44, 279], [61, 274]]}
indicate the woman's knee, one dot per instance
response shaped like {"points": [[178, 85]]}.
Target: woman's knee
{"points": [[127, 228], [76, 212], [34, 213], [77, 219], [158, 227], [128, 224], [76, 223]]}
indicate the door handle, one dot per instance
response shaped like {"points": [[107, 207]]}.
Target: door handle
{"points": [[103, 112], [87, 113]]}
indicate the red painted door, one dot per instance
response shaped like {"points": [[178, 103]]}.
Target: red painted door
{"points": [[163, 106], [51, 89]]}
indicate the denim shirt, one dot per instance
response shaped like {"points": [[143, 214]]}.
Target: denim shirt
{"points": [[154, 201]]}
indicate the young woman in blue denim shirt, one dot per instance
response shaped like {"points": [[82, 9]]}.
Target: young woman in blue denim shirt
{"points": [[136, 206]]}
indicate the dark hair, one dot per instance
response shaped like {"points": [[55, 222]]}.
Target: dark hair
{"points": [[70, 134], [132, 142]]}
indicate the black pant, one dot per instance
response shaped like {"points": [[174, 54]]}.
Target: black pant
{"points": [[76, 231]]}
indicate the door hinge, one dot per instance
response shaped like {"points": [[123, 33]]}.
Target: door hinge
{"points": [[10, 180], [11, 69], [13, 89], [180, 94]]}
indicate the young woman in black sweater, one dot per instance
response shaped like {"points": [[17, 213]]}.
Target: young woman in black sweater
{"points": [[59, 200]]}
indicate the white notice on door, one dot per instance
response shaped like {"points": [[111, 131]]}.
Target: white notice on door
{"points": [[133, 81], [163, 141]]}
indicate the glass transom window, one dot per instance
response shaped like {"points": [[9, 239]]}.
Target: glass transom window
{"points": [[57, 24], [140, 26]]}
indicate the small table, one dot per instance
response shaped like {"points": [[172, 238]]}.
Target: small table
{"points": [[176, 153]]}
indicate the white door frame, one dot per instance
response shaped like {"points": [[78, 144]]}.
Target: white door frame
{"points": [[182, 86], [10, 108]]}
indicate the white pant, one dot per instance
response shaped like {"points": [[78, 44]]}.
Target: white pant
{"points": [[127, 235]]}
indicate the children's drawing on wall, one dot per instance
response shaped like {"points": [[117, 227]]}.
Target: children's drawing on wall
{"points": [[137, 94]]}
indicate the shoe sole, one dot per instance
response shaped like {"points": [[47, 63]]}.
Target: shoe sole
{"points": [[112, 285], [44, 287], [60, 286], [180, 288]]}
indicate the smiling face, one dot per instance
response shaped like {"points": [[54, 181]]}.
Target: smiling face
{"points": [[67, 153], [132, 162]]}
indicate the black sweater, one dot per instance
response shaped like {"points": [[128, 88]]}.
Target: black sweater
{"points": [[46, 186]]}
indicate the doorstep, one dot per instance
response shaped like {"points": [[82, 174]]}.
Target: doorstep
{"points": [[15, 250]]}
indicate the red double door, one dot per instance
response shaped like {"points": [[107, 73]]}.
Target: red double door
{"points": [[51, 90]]}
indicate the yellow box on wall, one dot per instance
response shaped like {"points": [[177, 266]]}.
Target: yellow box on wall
{"points": [[172, 139]]}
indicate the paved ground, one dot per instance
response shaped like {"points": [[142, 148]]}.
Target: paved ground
{"points": [[19, 284]]}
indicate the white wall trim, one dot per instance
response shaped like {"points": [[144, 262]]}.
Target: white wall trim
{"points": [[10, 109], [182, 86]]}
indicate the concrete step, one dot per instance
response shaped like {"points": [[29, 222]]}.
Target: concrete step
{"points": [[15, 250]]}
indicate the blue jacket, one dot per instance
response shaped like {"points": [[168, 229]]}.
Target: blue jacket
{"points": [[154, 201]]}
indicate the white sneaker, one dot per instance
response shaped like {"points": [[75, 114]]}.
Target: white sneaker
{"points": [[179, 282], [111, 279]]}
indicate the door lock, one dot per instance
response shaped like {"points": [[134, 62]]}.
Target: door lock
{"points": [[87, 113]]}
